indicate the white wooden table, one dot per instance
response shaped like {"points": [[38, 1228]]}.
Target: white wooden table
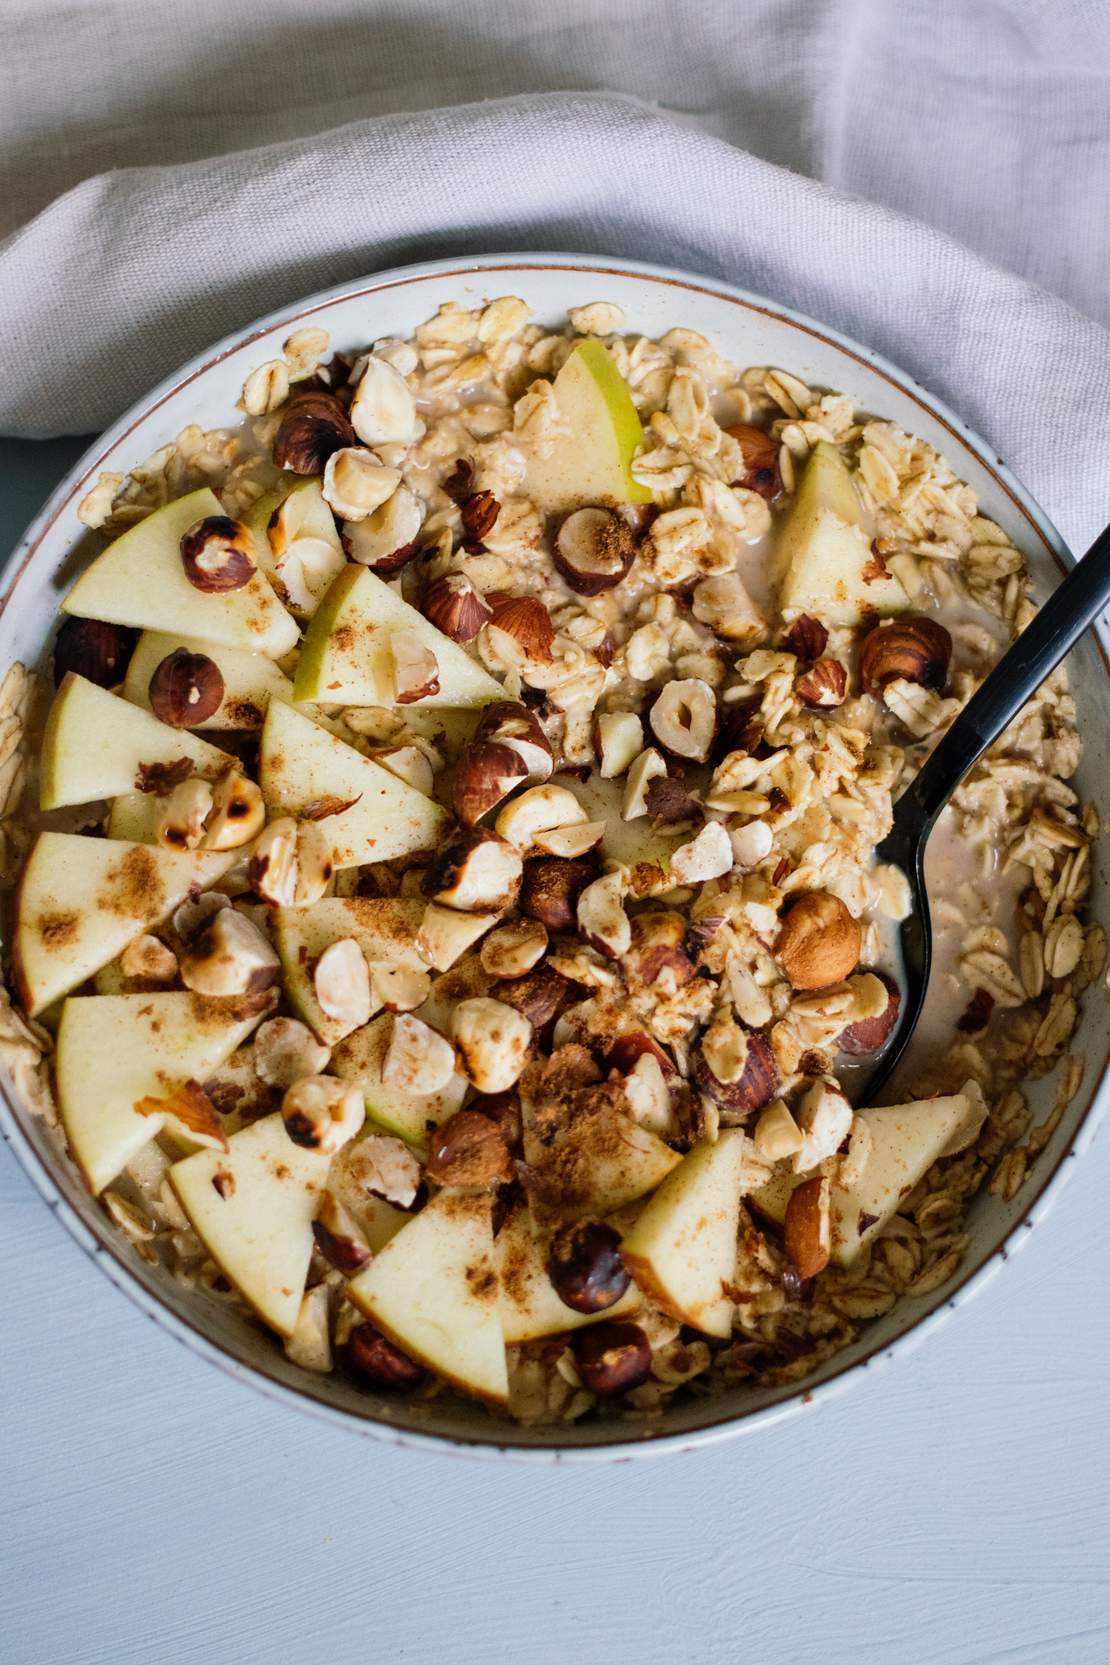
{"points": [[954, 1510]]}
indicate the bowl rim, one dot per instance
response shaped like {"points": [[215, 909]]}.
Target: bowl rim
{"points": [[116, 1259]]}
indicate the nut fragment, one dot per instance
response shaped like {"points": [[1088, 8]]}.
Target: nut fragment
{"points": [[526, 622], [723, 603], [476, 871], [285, 1051], [342, 984], [647, 767], [148, 958], [415, 667], [777, 1135], [537, 810], [486, 772], [510, 723], [313, 425], [388, 539], [512, 950], [869, 1034], [90, 648], [418, 1058], [594, 550], [823, 685], [648, 1095], [751, 843], [807, 1229], [182, 817], [322, 1113], [911, 648], [539, 995], [292, 864], [756, 1085], [218, 554], [479, 515], [454, 606], [388, 1169], [657, 953], [585, 1266], [706, 856], [337, 1236], [238, 812], [493, 1041], [760, 452], [186, 689], [409, 764], [468, 1153], [228, 955], [446, 933], [383, 410], [612, 1357], [620, 739], [378, 1361], [819, 942], [550, 890], [602, 920], [807, 638], [398, 988], [825, 1120], [684, 718], [356, 483]]}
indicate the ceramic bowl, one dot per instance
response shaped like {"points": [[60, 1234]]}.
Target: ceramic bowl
{"points": [[749, 330]]}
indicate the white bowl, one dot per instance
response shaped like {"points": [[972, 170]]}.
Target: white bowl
{"points": [[749, 330]]}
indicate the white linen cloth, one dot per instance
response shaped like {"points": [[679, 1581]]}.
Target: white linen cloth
{"points": [[169, 172]]}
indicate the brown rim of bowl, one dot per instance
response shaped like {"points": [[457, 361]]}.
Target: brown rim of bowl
{"points": [[142, 1286]]}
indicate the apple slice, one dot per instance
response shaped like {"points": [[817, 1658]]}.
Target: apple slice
{"points": [[252, 1207], [433, 1291], [81, 900], [251, 680], [601, 1161], [825, 553], [384, 928], [409, 1115], [591, 461], [346, 656], [296, 541], [113, 1050], [906, 1140], [140, 580], [682, 1248], [94, 743], [530, 1308], [368, 814]]}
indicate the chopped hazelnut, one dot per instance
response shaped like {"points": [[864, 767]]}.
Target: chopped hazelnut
{"points": [[418, 1058], [322, 1113], [285, 1051], [493, 1041]]}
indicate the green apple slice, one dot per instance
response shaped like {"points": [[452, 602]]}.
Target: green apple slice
{"points": [[409, 1115], [592, 461], [600, 1162], [906, 1140], [81, 900], [824, 552], [251, 680], [682, 1248], [294, 512], [306, 772], [140, 580], [384, 928], [530, 1308], [433, 1290], [134, 815], [252, 1207], [345, 656], [113, 1050], [94, 743]]}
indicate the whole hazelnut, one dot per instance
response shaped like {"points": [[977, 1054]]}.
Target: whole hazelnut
{"points": [[510, 723], [594, 550], [486, 772], [760, 452], [378, 1361], [313, 425], [468, 1152], [612, 1357], [186, 689], [503, 1110], [97, 651], [911, 648], [550, 888], [819, 941], [585, 1266], [218, 554], [539, 995]]}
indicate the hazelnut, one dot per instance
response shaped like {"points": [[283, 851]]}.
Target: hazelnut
{"points": [[197, 911], [602, 920], [755, 1086], [238, 812], [322, 1113], [503, 1109], [626, 1051], [418, 1058], [512, 950], [510, 723], [539, 996], [341, 981], [387, 1168], [356, 483], [378, 1361], [824, 685], [388, 539], [777, 1134], [415, 667], [594, 550], [186, 689], [148, 958], [493, 1041], [338, 1238], [468, 1153], [807, 638], [399, 988], [911, 648], [684, 718], [612, 1357], [585, 1266], [819, 941], [648, 1095], [446, 933], [538, 810], [723, 603], [807, 1228], [313, 425], [292, 863], [479, 514], [409, 764], [526, 622], [383, 410], [182, 817], [825, 1121], [550, 889], [619, 741], [647, 767], [486, 772], [97, 651], [869, 1034], [228, 955], [760, 452], [706, 856], [572, 842], [658, 951], [218, 554], [454, 606], [285, 1051], [475, 871], [751, 843]]}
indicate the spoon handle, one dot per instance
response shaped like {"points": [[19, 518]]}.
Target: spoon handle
{"points": [[1071, 607]]}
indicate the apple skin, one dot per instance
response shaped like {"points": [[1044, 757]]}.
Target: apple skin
{"points": [[824, 552], [592, 463]]}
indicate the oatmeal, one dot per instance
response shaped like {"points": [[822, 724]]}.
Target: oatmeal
{"points": [[451, 927]]}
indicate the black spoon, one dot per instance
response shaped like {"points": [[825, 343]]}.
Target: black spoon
{"points": [[1072, 606]]}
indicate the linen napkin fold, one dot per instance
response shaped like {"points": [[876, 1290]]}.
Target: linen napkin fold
{"points": [[129, 273]]}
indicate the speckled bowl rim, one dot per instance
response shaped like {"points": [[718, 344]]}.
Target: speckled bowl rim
{"points": [[105, 1245]]}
